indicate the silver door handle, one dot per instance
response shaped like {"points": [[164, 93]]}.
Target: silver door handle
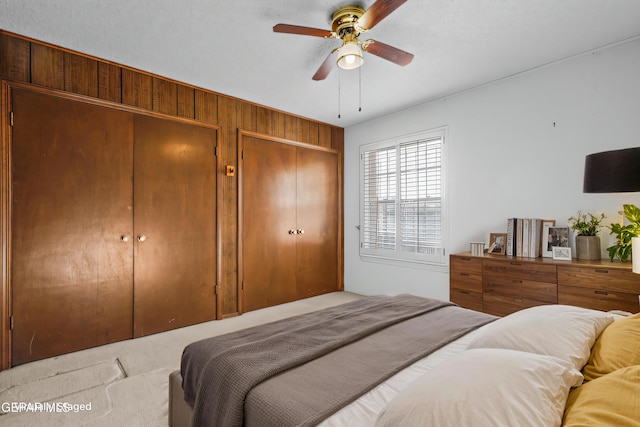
{"points": [[124, 238], [141, 238]]}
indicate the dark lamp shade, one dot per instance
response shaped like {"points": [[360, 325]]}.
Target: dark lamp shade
{"points": [[615, 171]]}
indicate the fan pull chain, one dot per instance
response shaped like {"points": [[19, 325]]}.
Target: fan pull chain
{"points": [[339, 81], [359, 89]]}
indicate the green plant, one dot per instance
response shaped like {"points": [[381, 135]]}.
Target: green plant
{"points": [[584, 226], [624, 233]]}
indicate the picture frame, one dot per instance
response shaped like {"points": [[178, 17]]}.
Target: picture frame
{"points": [[558, 236], [545, 249], [497, 243], [561, 253]]}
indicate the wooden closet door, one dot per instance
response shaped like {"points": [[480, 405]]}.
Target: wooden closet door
{"points": [[175, 224], [71, 203], [317, 215], [268, 215]]}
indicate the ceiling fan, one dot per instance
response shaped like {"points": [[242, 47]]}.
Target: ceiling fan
{"points": [[348, 23]]}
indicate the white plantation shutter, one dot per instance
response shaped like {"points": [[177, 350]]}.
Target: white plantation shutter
{"points": [[379, 226], [402, 199]]}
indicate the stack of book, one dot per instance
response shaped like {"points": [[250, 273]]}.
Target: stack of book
{"points": [[524, 237]]}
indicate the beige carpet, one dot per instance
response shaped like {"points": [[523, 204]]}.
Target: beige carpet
{"points": [[120, 384]]}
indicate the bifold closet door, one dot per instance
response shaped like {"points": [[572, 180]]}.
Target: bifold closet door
{"points": [[317, 214], [269, 223], [174, 224], [71, 204]]}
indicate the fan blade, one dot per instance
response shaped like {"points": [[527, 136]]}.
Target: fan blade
{"points": [[376, 13], [326, 66], [304, 31], [387, 52]]}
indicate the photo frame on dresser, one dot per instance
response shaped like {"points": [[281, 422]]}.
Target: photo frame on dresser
{"points": [[497, 243], [545, 249], [558, 236], [561, 253]]}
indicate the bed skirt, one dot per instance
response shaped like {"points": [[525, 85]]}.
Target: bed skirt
{"points": [[180, 412]]}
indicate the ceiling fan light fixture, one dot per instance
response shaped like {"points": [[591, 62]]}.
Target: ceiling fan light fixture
{"points": [[347, 24], [350, 55]]}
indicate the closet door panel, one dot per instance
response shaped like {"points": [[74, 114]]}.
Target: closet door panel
{"points": [[175, 224], [269, 214], [71, 203], [317, 215]]}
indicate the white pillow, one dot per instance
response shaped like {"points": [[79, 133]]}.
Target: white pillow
{"points": [[563, 331], [486, 387]]}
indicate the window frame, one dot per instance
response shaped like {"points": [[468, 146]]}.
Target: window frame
{"points": [[397, 256]]}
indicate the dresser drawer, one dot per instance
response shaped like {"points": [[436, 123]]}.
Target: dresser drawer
{"points": [[598, 299], [603, 278], [533, 271], [542, 292], [466, 273], [466, 299], [500, 305]]}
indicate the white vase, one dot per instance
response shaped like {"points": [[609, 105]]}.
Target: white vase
{"points": [[635, 254]]}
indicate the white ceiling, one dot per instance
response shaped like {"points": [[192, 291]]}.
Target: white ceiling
{"points": [[228, 46]]}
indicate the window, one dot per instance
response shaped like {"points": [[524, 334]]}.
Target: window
{"points": [[402, 199]]}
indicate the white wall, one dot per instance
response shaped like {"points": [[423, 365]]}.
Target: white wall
{"points": [[516, 148]]}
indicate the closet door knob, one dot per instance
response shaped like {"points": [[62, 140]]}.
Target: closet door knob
{"points": [[300, 231], [142, 238], [124, 238], [293, 232]]}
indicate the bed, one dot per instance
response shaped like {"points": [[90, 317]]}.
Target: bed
{"points": [[415, 361]]}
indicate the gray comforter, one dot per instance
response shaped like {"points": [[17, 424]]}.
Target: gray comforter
{"points": [[275, 374]]}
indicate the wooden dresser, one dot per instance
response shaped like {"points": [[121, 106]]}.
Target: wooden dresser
{"points": [[500, 285]]}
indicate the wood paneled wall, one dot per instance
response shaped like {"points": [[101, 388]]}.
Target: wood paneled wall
{"points": [[31, 61]]}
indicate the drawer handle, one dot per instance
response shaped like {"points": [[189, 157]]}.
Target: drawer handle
{"points": [[600, 270], [517, 281], [515, 263], [601, 292], [465, 274], [465, 292], [465, 259]]}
